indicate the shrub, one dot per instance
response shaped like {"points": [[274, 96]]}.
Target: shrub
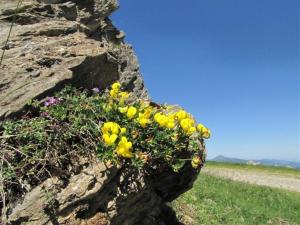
{"points": [[81, 123]]}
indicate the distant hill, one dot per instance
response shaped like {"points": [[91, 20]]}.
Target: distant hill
{"points": [[269, 162], [221, 158]]}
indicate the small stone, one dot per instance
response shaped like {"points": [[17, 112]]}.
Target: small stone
{"points": [[34, 74], [121, 35], [63, 51]]}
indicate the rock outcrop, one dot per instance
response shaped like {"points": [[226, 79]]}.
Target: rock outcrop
{"points": [[59, 42], [98, 195]]}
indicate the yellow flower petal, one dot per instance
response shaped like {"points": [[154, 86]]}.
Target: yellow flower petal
{"points": [[171, 125], [123, 109], [200, 127], [113, 93], [113, 138], [205, 133], [123, 148], [192, 130], [143, 121], [196, 162], [124, 95], [116, 86], [181, 114], [128, 145], [131, 112], [123, 130]]}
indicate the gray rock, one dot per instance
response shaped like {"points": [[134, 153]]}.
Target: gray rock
{"points": [[67, 42], [102, 195]]}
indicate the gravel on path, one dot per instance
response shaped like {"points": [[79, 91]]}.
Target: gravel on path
{"points": [[256, 177]]}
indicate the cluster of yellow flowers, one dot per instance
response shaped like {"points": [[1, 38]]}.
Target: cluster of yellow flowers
{"points": [[123, 148], [196, 162], [205, 132], [144, 114], [115, 93], [110, 132], [166, 121], [188, 124], [185, 120], [143, 117], [129, 111]]}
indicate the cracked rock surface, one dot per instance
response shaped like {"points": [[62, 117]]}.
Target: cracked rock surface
{"points": [[58, 42], [102, 195]]}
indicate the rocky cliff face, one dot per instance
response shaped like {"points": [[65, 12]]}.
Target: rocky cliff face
{"points": [[59, 42]]}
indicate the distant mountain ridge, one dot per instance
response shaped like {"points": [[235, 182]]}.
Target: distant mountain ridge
{"points": [[268, 162]]}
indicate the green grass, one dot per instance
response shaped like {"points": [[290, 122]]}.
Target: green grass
{"points": [[261, 168], [217, 201]]}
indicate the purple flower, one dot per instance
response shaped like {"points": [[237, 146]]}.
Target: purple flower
{"points": [[96, 90], [52, 101]]}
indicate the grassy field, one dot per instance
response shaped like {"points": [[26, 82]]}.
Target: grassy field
{"points": [[217, 201]]}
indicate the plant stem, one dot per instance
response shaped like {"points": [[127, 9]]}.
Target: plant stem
{"points": [[10, 29]]}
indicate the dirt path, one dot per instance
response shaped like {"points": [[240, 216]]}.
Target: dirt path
{"points": [[257, 177]]}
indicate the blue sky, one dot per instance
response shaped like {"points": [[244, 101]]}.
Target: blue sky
{"points": [[233, 64]]}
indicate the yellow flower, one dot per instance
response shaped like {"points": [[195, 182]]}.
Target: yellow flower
{"points": [[109, 139], [148, 111], [196, 162], [171, 125], [131, 112], [161, 119], [124, 96], [114, 93], [181, 114], [143, 121], [157, 117], [123, 130], [123, 109], [171, 121], [205, 132], [110, 128], [172, 116], [123, 148], [116, 86], [166, 121], [106, 127], [200, 127], [144, 118], [187, 125], [192, 130]]}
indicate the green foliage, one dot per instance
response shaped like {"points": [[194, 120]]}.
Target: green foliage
{"points": [[81, 123]]}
